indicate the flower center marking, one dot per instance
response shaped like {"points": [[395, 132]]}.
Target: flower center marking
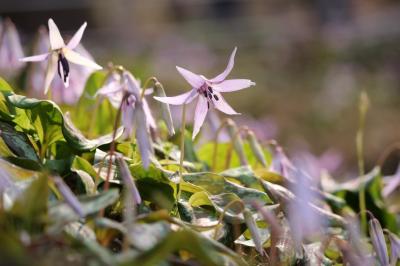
{"points": [[208, 93], [63, 67]]}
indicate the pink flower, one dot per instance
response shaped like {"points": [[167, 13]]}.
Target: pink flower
{"points": [[60, 55], [209, 91], [36, 78], [10, 50], [135, 112]]}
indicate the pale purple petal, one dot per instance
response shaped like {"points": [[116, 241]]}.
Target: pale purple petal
{"points": [[127, 118], [227, 70], [78, 59], [69, 196], [199, 115], [196, 81], [223, 106], [56, 41], [149, 117], [132, 84], [35, 58], [233, 85], [183, 98], [50, 72], [142, 136], [128, 181], [77, 37]]}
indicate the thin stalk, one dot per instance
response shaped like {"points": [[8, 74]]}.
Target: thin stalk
{"points": [[183, 126], [146, 83], [363, 107], [112, 144], [215, 150]]}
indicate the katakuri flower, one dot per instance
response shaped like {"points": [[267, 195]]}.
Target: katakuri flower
{"points": [[35, 77], [209, 91], [10, 50], [123, 91], [60, 55]]}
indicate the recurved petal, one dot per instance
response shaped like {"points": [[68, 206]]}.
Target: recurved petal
{"points": [[196, 81], [132, 84], [227, 70], [199, 115], [50, 72], [56, 41], [223, 106], [35, 58], [78, 59], [233, 85], [184, 98], [75, 40]]}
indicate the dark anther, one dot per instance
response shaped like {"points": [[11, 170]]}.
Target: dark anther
{"points": [[63, 64], [205, 94], [216, 97], [210, 89], [208, 105], [210, 96]]}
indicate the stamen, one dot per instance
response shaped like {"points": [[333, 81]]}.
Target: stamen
{"points": [[216, 97], [208, 105], [205, 94], [210, 89], [63, 67], [209, 96]]}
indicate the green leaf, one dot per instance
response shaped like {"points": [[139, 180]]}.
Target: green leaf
{"points": [[31, 207], [56, 125], [207, 251], [217, 184], [61, 213], [17, 142]]}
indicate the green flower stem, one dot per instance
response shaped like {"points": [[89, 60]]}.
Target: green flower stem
{"points": [[146, 83], [215, 150], [112, 144], [183, 126]]}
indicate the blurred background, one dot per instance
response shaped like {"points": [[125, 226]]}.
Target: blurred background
{"points": [[310, 59]]}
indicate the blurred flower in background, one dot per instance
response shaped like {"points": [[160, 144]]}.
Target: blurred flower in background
{"points": [[10, 50]]}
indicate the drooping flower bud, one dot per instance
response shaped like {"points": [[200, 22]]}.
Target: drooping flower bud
{"points": [[256, 148], [165, 110], [237, 140]]}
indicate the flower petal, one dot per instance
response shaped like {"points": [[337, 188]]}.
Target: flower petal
{"points": [[35, 58], [233, 85], [196, 81], [223, 106], [227, 70], [56, 41], [142, 136], [149, 117], [77, 37], [76, 58], [50, 72], [127, 118], [199, 115], [132, 84], [183, 98]]}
